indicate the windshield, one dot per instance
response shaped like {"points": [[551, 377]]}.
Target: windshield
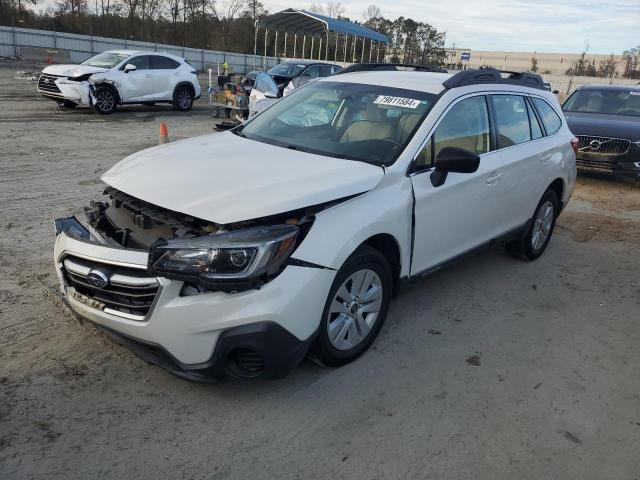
{"points": [[287, 69], [106, 59], [370, 123], [611, 102]]}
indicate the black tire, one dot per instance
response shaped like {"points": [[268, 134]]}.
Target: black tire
{"points": [[69, 104], [323, 350], [106, 100], [526, 247], [182, 99]]}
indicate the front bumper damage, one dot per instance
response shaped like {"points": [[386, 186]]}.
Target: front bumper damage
{"points": [[205, 337]]}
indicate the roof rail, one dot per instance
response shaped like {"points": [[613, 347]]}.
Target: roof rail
{"points": [[368, 67], [492, 75]]}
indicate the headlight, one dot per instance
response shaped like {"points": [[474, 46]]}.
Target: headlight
{"points": [[232, 261]]}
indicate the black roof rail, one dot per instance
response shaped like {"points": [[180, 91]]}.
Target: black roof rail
{"points": [[368, 67], [491, 75]]}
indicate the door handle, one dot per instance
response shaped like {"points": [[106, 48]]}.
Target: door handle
{"points": [[546, 157], [493, 178], [148, 75]]}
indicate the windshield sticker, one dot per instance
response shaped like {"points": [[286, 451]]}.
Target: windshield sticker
{"points": [[397, 101]]}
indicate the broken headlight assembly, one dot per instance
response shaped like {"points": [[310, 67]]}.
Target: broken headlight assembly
{"points": [[230, 261]]}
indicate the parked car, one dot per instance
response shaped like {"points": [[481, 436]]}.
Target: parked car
{"points": [[284, 78], [606, 120], [119, 77], [295, 234]]}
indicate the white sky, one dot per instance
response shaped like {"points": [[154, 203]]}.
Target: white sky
{"points": [[508, 25], [514, 25]]}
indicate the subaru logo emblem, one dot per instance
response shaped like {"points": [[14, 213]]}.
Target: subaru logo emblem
{"points": [[97, 278], [595, 144]]}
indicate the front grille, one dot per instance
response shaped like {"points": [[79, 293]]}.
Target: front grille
{"points": [[47, 84], [121, 291], [603, 145]]}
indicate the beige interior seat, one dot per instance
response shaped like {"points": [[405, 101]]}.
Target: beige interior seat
{"points": [[373, 127], [406, 125]]}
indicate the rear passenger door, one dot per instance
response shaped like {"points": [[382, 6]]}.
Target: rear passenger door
{"points": [[520, 153], [164, 72], [469, 209]]}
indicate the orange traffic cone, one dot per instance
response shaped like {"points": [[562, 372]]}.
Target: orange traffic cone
{"points": [[164, 134]]}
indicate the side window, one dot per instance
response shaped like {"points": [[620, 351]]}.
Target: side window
{"points": [[313, 71], [157, 62], [335, 69], [512, 120], [466, 126], [536, 131], [325, 70], [141, 62], [550, 118]]}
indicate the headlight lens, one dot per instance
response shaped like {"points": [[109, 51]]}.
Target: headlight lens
{"points": [[234, 260]]}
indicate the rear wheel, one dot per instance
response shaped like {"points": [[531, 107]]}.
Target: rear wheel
{"points": [[355, 310], [182, 99], [534, 242], [105, 100]]}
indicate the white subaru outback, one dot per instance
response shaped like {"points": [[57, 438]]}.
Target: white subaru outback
{"points": [[234, 255], [119, 77]]}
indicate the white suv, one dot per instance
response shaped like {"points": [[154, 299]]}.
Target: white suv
{"points": [[235, 254], [121, 77]]}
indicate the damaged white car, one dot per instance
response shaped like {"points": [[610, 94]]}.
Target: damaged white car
{"points": [[233, 255], [122, 77]]}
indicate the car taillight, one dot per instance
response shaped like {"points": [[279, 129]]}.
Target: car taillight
{"points": [[575, 143]]}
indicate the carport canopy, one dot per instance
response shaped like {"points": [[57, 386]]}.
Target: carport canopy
{"points": [[303, 23]]}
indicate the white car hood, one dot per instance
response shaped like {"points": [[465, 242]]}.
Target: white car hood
{"points": [[224, 178], [72, 70]]}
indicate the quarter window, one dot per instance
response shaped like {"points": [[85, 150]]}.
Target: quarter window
{"points": [[512, 120], [466, 126], [157, 62], [550, 118]]}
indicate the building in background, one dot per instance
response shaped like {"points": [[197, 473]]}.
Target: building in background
{"points": [[547, 63]]}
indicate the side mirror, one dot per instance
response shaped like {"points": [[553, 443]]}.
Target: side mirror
{"points": [[556, 92], [270, 94], [453, 159], [130, 67]]}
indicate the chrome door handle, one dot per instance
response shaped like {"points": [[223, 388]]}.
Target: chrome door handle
{"points": [[148, 75], [545, 158], [493, 178]]}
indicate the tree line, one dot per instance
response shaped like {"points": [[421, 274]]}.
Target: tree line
{"points": [[219, 25]]}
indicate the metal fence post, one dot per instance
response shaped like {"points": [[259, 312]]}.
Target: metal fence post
{"points": [[15, 45], [55, 36], [202, 57]]}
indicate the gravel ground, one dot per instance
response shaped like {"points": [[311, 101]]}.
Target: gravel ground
{"points": [[493, 368]]}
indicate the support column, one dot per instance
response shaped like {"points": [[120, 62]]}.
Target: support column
{"points": [[275, 46], [312, 40], [370, 49], [364, 43], [320, 49], [304, 41], [264, 54], [378, 53], [285, 44], [335, 50], [344, 59], [295, 41], [353, 55]]}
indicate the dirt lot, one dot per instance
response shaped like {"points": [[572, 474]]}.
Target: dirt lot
{"points": [[492, 369]]}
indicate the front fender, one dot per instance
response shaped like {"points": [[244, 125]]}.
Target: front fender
{"points": [[338, 231]]}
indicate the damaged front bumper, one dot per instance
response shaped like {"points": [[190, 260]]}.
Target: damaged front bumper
{"points": [[64, 89], [213, 335]]}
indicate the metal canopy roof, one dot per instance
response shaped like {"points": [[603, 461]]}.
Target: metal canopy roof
{"points": [[307, 23]]}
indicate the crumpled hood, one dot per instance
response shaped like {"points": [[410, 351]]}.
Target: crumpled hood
{"points": [[593, 124], [72, 71], [224, 178]]}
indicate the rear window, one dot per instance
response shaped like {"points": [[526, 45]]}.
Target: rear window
{"points": [[512, 120], [550, 118]]}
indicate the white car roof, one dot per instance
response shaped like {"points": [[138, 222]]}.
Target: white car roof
{"points": [[429, 82], [147, 52]]}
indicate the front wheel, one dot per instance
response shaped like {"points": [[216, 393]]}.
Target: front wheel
{"points": [[182, 99], [105, 100], [534, 242], [355, 309]]}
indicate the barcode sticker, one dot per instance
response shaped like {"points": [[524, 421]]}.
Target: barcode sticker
{"points": [[397, 101]]}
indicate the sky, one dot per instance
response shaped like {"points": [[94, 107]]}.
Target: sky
{"points": [[609, 26]]}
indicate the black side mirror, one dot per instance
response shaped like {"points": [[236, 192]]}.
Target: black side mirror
{"points": [[453, 159], [556, 92]]}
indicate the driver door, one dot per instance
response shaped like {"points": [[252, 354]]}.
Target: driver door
{"points": [[137, 85], [465, 211]]}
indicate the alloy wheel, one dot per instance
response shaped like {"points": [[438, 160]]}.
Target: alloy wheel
{"points": [[184, 99], [354, 309], [542, 225], [105, 101]]}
